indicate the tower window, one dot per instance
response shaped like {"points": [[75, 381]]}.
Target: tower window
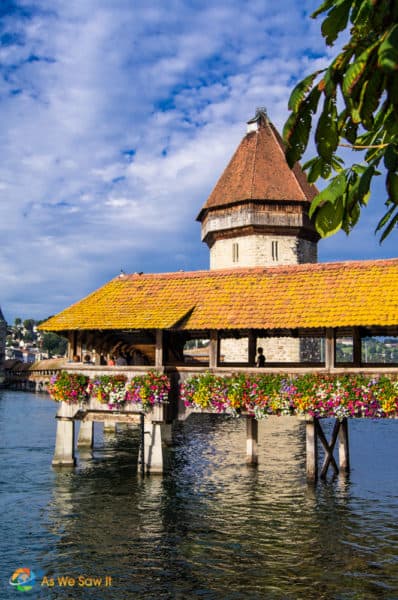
{"points": [[274, 249], [235, 252]]}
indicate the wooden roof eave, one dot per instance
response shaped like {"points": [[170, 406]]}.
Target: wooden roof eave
{"points": [[365, 330]]}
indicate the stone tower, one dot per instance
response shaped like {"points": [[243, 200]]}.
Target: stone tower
{"points": [[3, 334], [257, 214]]}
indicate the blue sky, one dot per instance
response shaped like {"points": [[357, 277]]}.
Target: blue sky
{"points": [[118, 117]]}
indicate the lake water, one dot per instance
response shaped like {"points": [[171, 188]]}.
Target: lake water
{"points": [[212, 528]]}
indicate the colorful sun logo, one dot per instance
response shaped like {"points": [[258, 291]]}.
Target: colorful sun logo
{"points": [[23, 579]]}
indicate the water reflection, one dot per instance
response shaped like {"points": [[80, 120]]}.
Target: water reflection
{"points": [[213, 522], [215, 528]]}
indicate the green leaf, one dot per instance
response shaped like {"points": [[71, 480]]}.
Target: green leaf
{"points": [[382, 114], [315, 171], [351, 131], [331, 193], [334, 73], [336, 21], [355, 213], [364, 185], [385, 219], [357, 69], [300, 91], [370, 98], [392, 225], [391, 124], [296, 133], [329, 218], [361, 12], [392, 89], [337, 163], [388, 51], [326, 135], [313, 168], [392, 186], [323, 8], [368, 138], [391, 158], [288, 128], [326, 170], [298, 126]]}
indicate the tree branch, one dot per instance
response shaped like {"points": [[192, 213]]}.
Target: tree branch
{"points": [[358, 147]]}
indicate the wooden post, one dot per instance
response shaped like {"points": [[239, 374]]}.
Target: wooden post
{"points": [[71, 345], [86, 434], [213, 350], [252, 349], [79, 346], [64, 455], [328, 447], [330, 349], [311, 450], [251, 440], [159, 348], [344, 450], [357, 347], [74, 344]]}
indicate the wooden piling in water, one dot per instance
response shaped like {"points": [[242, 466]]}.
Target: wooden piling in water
{"points": [[311, 450], [251, 440], [344, 450]]}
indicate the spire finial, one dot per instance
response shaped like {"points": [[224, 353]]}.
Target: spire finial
{"points": [[260, 119]]}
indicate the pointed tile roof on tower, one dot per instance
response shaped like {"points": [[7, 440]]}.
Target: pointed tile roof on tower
{"points": [[258, 171]]}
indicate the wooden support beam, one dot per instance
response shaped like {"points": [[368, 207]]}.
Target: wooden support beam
{"points": [[252, 338], [79, 345], [159, 348], [311, 450], [251, 440], [329, 447], [330, 349], [214, 352], [357, 347], [71, 345], [74, 344], [344, 451]]}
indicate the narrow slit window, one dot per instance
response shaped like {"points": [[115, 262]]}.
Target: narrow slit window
{"points": [[275, 255], [235, 252]]}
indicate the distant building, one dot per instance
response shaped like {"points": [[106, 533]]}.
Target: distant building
{"points": [[3, 335]]}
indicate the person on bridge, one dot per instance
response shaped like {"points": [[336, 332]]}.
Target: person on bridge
{"points": [[260, 362]]}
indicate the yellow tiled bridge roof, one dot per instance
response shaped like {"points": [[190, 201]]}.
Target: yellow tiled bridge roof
{"points": [[341, 294]]}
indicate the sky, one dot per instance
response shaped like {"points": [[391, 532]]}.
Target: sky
{"points": [[118, 117]]}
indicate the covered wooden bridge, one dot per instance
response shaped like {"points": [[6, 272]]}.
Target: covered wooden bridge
{"points": [[148, 320]]}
